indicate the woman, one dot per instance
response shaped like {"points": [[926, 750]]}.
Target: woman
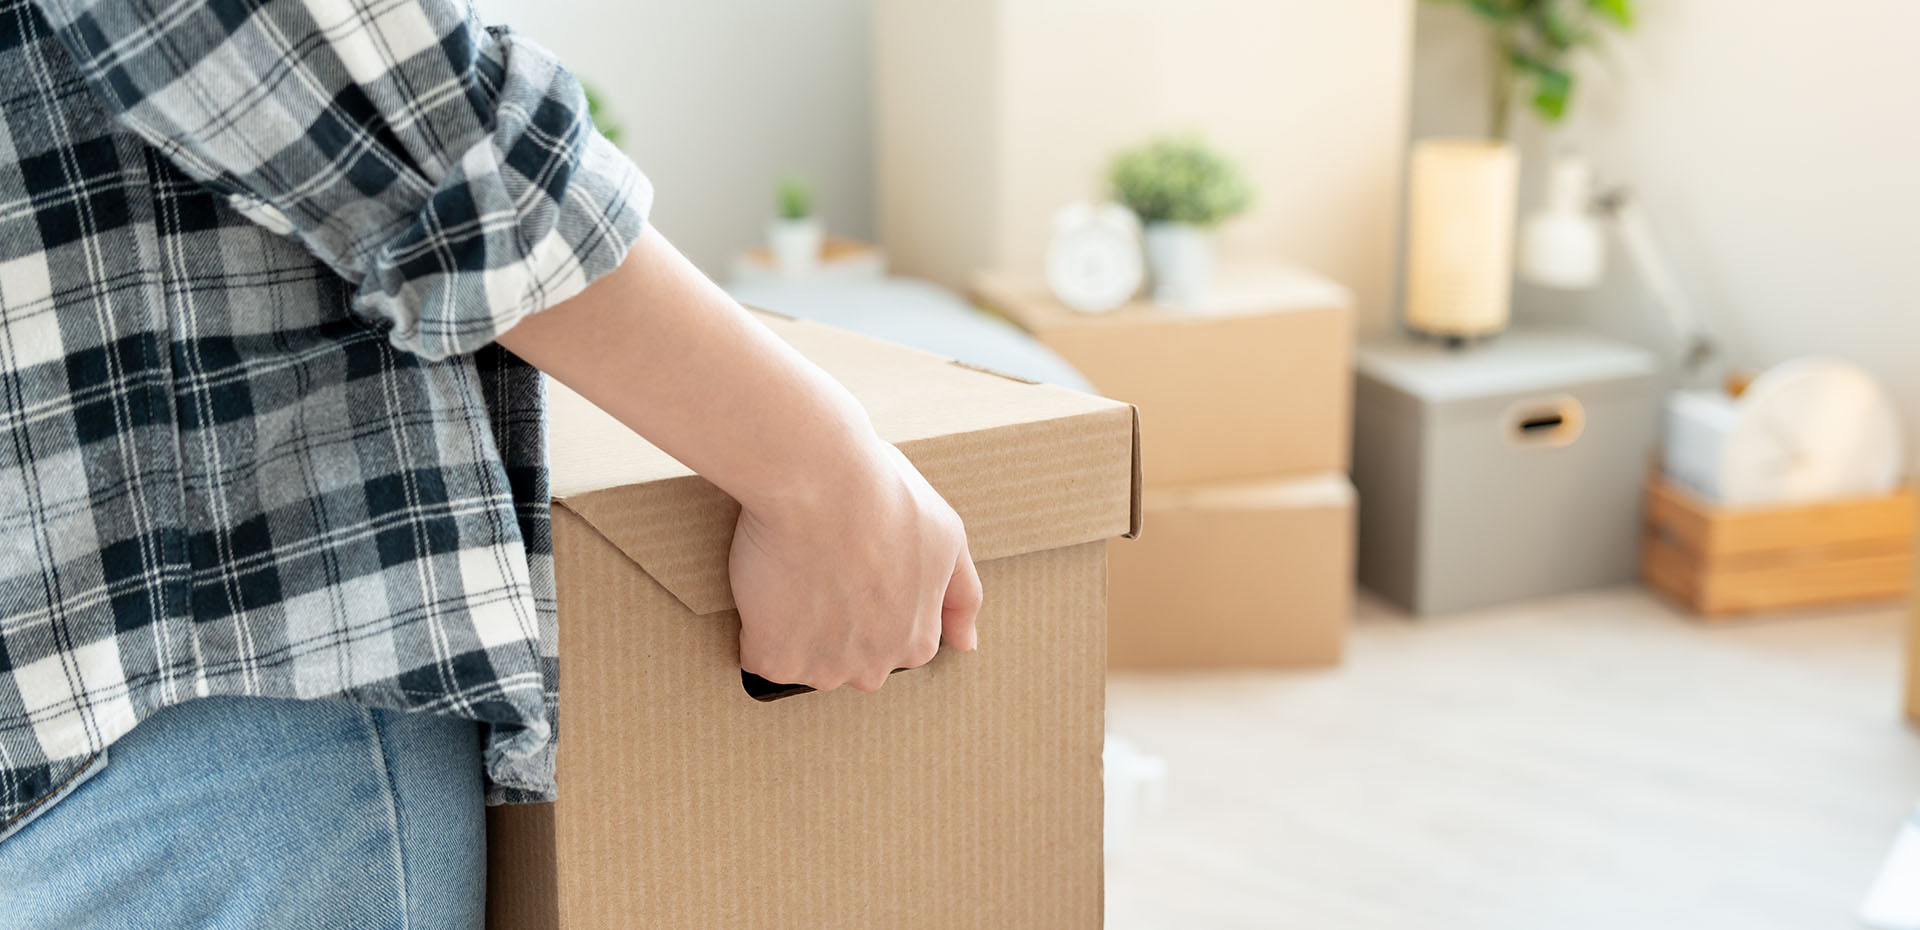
{"points": [[275, 583]]}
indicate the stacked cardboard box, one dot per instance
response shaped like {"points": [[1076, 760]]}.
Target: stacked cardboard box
{"points": [[1913, 657], [963, 794], [1244, 411], [990, 114]]}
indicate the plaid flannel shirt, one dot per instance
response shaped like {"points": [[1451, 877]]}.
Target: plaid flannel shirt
{"points": [[254, 437]]}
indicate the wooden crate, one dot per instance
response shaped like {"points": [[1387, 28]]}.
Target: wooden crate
{"points": [[1720, 562]]}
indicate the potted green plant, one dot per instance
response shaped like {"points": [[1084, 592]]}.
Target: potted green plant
{"points": [[598, 114], [795, 235], [1533, 44], [1463, 193], [1182, 189]]}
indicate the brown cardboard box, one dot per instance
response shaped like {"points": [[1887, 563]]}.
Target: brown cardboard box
{"points": [[1913, 660], [1243, 575], [964, 794], [990, 114], [1261, 386]]}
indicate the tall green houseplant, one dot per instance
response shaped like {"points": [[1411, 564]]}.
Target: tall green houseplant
{"points": [[1533, 43]]}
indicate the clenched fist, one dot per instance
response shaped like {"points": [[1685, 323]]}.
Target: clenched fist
{"points": [[871, 580]]}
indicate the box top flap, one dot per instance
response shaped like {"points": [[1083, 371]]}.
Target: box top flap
{"points": [[1252, 289], [1027, 466]]}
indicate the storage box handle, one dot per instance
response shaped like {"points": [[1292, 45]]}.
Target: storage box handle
{"points": [[1550, 422], [762, 690]]}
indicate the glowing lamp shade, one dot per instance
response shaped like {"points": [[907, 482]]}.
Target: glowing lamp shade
{"points": [[1461, 206], [1564, 245]]}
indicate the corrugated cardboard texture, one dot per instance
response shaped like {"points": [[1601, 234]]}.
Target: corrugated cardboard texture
{"points": [[1913, 652], [1061, 488], [965, 794], [1255, 575], [909, 394], [1247, 395]]}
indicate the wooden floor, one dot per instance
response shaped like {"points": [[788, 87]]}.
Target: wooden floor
{"points": [[1588, 762]]}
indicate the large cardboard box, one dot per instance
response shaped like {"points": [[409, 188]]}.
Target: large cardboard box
{"points": [[966, 794], [990, 114], [1913, 657], [1253, 575], [1259, 385]]}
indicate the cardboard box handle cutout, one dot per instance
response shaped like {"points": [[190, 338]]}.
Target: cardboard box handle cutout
{"points": [[762, 690], [1546, 423]]}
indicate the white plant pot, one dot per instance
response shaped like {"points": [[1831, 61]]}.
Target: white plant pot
{"points": [[1180, 259], [1461, 206], [796, 245]]}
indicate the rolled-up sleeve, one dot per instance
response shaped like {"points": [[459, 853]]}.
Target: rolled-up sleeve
{"points": [[448, 171]]}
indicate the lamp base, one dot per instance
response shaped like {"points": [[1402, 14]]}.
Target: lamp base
{"points": [[1453, 341]]}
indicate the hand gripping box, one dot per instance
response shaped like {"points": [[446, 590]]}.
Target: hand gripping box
{"points": [[965, 794]]}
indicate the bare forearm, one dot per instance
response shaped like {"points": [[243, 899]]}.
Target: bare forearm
{"points": [[845, 563], [669, 354]]}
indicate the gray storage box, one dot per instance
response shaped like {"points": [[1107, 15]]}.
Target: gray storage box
{"points": [[1501, 471]]}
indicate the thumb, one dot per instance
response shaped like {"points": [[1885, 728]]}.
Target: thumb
{"points": [[961, 607]]}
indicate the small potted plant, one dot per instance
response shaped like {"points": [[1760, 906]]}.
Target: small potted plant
{"points": [[1182, 189], [795, 235], [598, 114]]}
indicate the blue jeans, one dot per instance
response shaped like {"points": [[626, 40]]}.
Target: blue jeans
{"points": [[259, 813]]}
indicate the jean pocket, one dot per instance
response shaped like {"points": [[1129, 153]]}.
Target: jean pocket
{"points": [[71, 782]]}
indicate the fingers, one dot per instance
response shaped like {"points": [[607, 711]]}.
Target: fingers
{"points": [[823, 673], [961, 607], [769, 662], [824, 612], [868, 683]]}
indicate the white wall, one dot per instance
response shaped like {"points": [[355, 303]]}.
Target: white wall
{"points": [[720, 97], [1776, 147], [1310, 96], [994, 113]]}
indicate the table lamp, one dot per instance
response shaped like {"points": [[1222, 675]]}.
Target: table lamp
{"points": [[1461, 196], [1563, 245]]}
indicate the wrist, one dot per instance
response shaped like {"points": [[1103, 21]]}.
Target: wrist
{"points": [[829, 469]]}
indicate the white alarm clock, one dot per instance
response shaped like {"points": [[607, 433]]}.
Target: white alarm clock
{"points": [[1806, 430], [1093, 262]]}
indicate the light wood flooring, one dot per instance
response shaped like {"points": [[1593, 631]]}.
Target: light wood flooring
{"points": [[1594, 761]]}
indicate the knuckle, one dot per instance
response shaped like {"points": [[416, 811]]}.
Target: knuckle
{"points": [[922, 650], [969, 598]]}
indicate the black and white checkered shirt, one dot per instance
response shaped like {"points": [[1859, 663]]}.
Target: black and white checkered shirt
{"points": [[254, 437]]}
